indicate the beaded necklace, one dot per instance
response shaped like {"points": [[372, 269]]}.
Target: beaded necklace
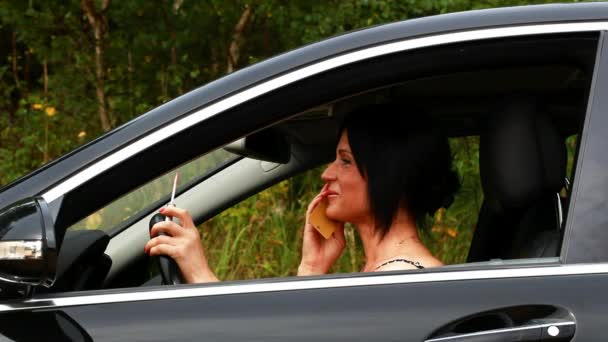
{"points": [[413, 263]]}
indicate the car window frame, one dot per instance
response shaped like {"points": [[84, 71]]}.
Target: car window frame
{"points": [[377, 51], [57, 192], [549, 259]]}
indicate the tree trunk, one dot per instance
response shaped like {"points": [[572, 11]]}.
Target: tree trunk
{"points": [[26, 73], [45, 81], [99, 24], [45, 76], [130, 69], [180, 88], [237, 40], [14, 59], [173, 37]]}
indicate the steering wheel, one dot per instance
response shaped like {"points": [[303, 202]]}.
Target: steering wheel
{"points": [[168, 267]]}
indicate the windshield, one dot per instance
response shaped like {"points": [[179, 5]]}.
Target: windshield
{"points": [[141, 200]]}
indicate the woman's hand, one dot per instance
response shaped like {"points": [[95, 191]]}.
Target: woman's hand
{"points": [[318, 253], [183, 244]]}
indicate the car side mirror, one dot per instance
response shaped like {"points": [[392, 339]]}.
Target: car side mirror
{"points": [[28, 247]]}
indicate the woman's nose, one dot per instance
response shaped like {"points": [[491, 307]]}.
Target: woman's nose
{"points": [[329, 174]]}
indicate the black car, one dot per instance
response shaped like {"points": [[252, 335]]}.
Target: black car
{"points": [[522, 79]]}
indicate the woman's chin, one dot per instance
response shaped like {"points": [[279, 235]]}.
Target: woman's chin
{"points": [[333, 213]]}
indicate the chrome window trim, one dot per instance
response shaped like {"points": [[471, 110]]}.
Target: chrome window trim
{"points": [[304, 72], [374, 279]]}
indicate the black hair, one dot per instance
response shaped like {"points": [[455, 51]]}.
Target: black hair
{"points": [[405, 159]]}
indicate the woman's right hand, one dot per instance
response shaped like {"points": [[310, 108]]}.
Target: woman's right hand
{"points": [[318, 253], [183, 244]]}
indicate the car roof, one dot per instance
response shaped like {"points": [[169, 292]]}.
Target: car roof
{"points": [[33, 183]]}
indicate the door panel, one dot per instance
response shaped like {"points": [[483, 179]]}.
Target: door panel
{"points": [[400, 312]]}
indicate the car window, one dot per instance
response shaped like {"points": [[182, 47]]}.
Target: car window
{"points": [[111, 217], [261, 237]]}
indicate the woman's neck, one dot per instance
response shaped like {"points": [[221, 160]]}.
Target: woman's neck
{"points": [[401, 236]]}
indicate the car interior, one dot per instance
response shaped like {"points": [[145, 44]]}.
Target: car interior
{"points": [[523, 97]]}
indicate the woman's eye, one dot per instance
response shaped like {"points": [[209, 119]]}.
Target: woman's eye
{"points": [[345, 161]]}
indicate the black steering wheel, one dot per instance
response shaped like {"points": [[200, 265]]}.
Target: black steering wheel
{"points": [[168, 267]]}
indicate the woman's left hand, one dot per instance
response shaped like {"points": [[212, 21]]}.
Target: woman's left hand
{"points": [[318, 253]]}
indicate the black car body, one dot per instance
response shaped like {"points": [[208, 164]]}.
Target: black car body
{"points": [[464, 68]]}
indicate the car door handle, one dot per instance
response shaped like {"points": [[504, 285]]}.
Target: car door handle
{"points": [[534, 330]]}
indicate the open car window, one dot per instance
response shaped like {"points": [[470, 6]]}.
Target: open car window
{"points": [[464, 88], [260, 237]]}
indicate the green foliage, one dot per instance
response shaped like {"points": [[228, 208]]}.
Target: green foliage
{"points": [[152, 52]]}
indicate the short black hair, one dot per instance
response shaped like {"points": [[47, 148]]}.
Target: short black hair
{"points": [[405, 159]]}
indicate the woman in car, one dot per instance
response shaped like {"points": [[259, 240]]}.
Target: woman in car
{"points": [[388, 175]]}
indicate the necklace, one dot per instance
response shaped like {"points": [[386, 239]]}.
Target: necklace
{"points": [[413, 263]]}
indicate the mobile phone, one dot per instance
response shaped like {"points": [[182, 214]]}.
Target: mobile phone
{"points": [[320, 221]]}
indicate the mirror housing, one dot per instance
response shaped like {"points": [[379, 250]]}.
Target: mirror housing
{"points": [[28, 247], [266, 145]]}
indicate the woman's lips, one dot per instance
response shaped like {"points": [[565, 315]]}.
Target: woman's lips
{"points": [[332, 194]]}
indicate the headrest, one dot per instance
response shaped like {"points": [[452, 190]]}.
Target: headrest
{"points": [[522, 156]]}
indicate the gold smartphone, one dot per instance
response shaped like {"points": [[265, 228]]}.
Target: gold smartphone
{"points": [[321, 222]]}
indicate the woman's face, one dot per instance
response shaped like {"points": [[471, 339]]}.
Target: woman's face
{"points": [[348, 198]]}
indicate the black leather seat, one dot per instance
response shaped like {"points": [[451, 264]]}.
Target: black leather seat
{"points": [[522, 167]]}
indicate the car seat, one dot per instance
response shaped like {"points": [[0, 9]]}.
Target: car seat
{"points": [[522, 167]]}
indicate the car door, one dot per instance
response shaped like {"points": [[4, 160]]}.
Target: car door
{"points": [[509, 300]]}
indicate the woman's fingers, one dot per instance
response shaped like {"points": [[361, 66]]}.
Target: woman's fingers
{"points": [[163, 249], [315, 201], [161, 239], [322, 194], [167, 227], [176, 248], [182, 214]]}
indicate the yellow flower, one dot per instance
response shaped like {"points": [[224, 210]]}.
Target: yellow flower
{"points": [[452, 232], [50, 111], [37, 106], [93, 221], [82, 134]]}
